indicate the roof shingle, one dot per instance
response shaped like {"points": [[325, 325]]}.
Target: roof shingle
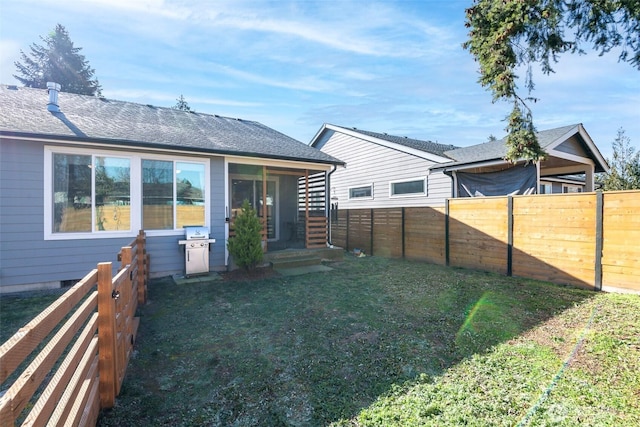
{"points": [[422, 145], [91, 119]]}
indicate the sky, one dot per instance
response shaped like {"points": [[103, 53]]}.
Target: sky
{"points": [[384, 66]]}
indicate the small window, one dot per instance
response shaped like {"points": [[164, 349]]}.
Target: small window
{"points": [[364, 192], [415, 187], [546, 188], [571, 189]]}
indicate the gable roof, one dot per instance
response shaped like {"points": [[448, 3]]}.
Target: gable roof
{"points": [[422, 148], [99, 120], [548, 139], [497, 149]]}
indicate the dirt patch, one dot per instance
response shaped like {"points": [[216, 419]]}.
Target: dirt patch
{"points": [[243, 275]]}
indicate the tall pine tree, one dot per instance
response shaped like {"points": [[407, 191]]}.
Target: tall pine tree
{"points": [[507, 34], [57, 61]]}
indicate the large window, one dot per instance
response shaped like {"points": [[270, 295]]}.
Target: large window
{"points": [[414, 187], [172, 190], [112, 194], [90, 193]]}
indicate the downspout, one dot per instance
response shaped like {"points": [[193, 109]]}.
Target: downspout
{"points": [[327, 202], [452, 175]]}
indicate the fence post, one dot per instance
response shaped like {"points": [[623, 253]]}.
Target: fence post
{"points": [[509, 235], [106, 336], [346, 243], [371, 232], [446, 232], [125, 257], [142, 273], [403, 238], [599, 235]]}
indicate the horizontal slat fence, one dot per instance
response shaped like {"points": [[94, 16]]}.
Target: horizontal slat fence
{"points": [[424, 234], [86, 338], [585, 239], [554, 238], [478, 234], [621, 243]]}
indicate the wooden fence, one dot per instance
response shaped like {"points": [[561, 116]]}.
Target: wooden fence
{"points": [[585, 239], [79, 370]]}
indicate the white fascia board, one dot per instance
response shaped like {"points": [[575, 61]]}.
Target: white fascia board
{"points": [[392, 145], [572, 157], [316, 137], [579, 129], [278, 163]]}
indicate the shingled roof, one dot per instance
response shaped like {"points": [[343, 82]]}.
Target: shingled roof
{"points": [[100, 120], [418, 144], [497, 149]]}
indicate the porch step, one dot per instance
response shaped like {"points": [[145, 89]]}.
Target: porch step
{"points": [[294, 261]]}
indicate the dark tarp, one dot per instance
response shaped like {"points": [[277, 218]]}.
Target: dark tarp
{"points": [[516, 180]]}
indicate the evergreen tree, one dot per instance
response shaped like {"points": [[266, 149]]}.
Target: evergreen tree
{"points": [[246, 246], [57, 61], [182, 104], [506, 34], [625, 165]]}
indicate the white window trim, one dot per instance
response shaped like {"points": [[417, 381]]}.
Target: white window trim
{"points": [[578, 187], [136, 192], [399, 196], [360, 186]]}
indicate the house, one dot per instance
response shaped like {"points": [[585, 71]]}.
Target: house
{"points": [[390, 171], [572, 161], [81, 175], [383, 170]]}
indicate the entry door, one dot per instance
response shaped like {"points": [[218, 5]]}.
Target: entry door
{"points": [[251, 190]]}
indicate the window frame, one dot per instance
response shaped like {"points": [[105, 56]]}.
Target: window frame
{"points": [[544, 185], [400, 181], [357, 187], [135, 159]]}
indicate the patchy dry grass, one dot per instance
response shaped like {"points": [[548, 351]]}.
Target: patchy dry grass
{"points": [[381, 342]]}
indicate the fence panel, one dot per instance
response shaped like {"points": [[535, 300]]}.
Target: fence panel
{"points": [[621, 240], [359, 230], [554, 238], [84, 353], [425, 234], [478, 233], [339, 228], [387, 232], [550, 237]]}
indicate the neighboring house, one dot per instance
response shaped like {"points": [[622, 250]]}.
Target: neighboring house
{"points": [[572, 161], [80, 177], [383, 170], [390, 171]]}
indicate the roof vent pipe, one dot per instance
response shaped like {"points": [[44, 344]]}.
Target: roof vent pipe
{"points": [[52, 90]]}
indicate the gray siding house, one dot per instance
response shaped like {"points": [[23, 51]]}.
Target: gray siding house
{"points": [[390, 171], [383, 170], [80, 176]]}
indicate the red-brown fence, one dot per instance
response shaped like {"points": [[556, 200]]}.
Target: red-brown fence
{"points": [[79, 369], [585, 239]]}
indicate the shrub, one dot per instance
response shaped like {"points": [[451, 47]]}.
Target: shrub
{"points": [[246, 246]]}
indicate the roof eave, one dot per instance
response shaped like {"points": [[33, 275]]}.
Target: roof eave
{"points": [[142, 144]]}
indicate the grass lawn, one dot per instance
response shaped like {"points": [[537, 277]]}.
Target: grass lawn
{"points": [[380, 342]]}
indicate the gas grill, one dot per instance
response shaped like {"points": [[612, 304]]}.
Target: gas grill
{"points": [[196, 250]]}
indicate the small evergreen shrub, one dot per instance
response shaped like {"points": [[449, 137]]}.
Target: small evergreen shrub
{"points": [[246, 246]]}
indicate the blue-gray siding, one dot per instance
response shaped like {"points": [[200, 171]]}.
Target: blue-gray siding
{"points": [[26, 258]]}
